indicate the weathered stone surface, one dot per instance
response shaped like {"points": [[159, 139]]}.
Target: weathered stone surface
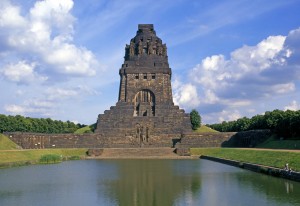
{"points": [[180, 141], [194, 139], [94, 152], [145, 112]]}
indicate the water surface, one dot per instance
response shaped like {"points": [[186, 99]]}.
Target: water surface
{"points": [[143, 182]]}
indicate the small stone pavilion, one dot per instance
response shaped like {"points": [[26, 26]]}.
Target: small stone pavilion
{"points": [[145, 114]]}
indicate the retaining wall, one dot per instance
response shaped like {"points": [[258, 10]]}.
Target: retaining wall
{"points": [[95, 140], [273, 171]]}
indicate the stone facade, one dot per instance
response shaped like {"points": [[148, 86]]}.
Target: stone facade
{"points": [[145, 110]]}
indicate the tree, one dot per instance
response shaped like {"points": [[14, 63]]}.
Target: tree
{"points": [[195, 119]]}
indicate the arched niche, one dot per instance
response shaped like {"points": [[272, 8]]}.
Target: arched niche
{"points": [[144, 103]]}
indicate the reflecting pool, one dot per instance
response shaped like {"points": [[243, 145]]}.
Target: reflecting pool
{"points": [[143, 182]]}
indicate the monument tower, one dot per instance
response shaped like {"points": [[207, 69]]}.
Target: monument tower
{"points": [[145, 114]]}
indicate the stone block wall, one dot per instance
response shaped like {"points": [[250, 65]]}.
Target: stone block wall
{"points": [[190, 140], [43, 141], [128, 140]]}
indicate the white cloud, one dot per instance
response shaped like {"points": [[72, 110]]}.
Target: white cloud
{"points": [[58, 93], [210, 97], [55, 93], [227, 115], [49, 102], [236, 103], [185, 94], [10, 16], [22, 73], [283, 88], [14, 109], [292, 106], [32, 107], [270, 69], [45, 34], [246, 73]]}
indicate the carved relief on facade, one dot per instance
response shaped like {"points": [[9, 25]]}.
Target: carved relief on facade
{"points": [[140, 47], [151, 47], [142, 134], [131, 49]]}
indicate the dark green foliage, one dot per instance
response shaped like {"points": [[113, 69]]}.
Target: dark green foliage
{"points": [[284, 124], [93, 127], [50, 158], [19, 123], [195, 119]]}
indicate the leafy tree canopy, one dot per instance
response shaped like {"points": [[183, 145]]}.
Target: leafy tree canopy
{"points": [[284, 124], [19, 123], [195, 119]]}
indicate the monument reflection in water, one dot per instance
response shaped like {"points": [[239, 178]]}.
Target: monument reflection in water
{"points": [[154, 182]]}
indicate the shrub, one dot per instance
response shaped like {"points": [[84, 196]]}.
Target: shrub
{"points": [[50, 158]]}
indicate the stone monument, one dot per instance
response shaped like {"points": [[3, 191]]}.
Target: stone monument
{"points": [[145, 114]]}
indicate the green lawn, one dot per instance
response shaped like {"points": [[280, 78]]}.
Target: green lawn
{"points": [[33, 156], [280, 144], [268, 158], [205, 129]]}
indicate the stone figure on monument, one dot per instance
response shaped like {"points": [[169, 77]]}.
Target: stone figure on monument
{"points": [[131, 49], [164, 50], [159, 50], [150, 48], [140, 47]]}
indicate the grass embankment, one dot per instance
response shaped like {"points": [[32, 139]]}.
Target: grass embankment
{"points": [[9, 158], [280, 144], [205, 129], [11, 155], [263, 157], [84, 130], [35, 154], [6, 143]]}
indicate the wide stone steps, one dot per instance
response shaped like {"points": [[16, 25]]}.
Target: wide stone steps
{"points": [[138, 153]]}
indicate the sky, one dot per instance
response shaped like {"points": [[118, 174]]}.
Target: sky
{"points": [[60, 59]]}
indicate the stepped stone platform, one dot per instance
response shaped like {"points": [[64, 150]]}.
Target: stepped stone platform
{"points": [[135, 153]]}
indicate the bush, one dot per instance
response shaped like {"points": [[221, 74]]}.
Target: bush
{"points": [[50, 158]]}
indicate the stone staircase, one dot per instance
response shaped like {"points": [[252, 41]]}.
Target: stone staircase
{"points": [[138, 153]]}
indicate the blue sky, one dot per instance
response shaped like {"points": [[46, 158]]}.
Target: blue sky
{"points": [[60, 58]]}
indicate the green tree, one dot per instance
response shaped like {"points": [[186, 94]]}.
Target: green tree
{"points": [[195, 119]]}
